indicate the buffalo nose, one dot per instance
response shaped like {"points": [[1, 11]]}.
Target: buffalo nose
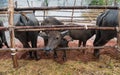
{"points": [[47, 49]]}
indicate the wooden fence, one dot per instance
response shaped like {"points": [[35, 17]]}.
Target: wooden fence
{"points": [[11, 27]]}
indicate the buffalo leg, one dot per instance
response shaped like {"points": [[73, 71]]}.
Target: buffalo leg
{"points": [[100, 42], [6, 44], [55, 54], [64, 55], [34, 45], [96, 41], [79, 43], [26, 45], [31, 55], [30, 52], [36, 55], [84, 45], [1, 45], [96, 53]]}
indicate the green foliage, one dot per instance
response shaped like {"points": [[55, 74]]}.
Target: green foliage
{"points": [[97, 2], [104, 2], [46, 2], [93, 2], [101, 2]]}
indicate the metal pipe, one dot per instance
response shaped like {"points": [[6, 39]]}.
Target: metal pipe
{"points": [[65, 48], [57, 27], [62, 7], [66, 7], [68, 28], [83, 11], [61, 27], [84, 16]]}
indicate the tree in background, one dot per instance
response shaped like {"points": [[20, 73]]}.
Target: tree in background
{"points": [[105, 2], [44, 3]]}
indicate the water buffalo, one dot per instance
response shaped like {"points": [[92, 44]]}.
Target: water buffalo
{"points": [[25, 36], [3, 40], [108, 18], [55, 38], [81, 35]]}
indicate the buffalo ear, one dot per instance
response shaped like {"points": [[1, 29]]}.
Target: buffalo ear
{"points": [[63, 33]]}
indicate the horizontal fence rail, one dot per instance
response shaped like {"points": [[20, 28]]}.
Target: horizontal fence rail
{"points": [[67, 7], [74, 20], [65, 48], [83, 16], [61, 7], [57, 27], [83, 11], [54, 27], [28, 28]]}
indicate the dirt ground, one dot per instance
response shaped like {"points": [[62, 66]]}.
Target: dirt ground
{"points": [[71, 55], [77, 63]]}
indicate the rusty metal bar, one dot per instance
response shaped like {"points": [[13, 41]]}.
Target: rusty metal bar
{"points": [[65, 48], [62, 7], [66, 7], [83, 16], [57, 27], [61, 27], [75, 20], [4, 28], [82, 11], [79, 48], [11, 24], [68, 28], [4, 12], [3, 9]]}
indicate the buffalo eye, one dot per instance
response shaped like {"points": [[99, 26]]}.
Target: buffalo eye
{"points": [[57, 38]]}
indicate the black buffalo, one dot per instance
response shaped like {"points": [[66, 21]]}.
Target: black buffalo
{"points": [[27, 36], [54, 38], [3, 40], [81, 35], [108, 18]]}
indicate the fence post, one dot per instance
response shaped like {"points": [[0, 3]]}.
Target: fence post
{"points": [[11, 22], [118, 31]]}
